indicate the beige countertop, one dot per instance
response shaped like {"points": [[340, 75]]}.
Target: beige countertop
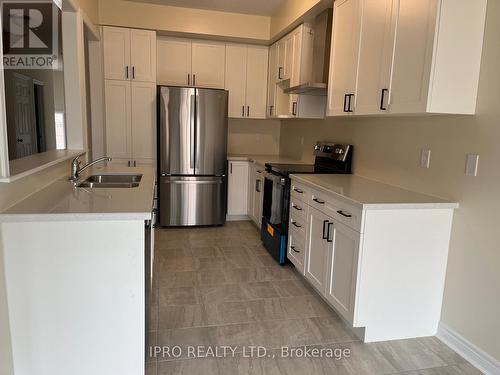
{"points": [[263, 159], [370, 194], [61, 200]]}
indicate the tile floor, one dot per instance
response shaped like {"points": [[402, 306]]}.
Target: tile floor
{"points": [[218, 287]]}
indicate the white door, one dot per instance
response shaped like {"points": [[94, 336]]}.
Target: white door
{"points": [[236, 79], [413, 56], [252, 170], [24, 117], [256, 81], [118, 119], [296, 56], [281, 49], [344, 56], [375, 56], [343, 269], [259, 195], [208, 64], [143, 122], [237, 195], [173, 61], [143, 55], [317, 249], [116, 53], [271, 84]]}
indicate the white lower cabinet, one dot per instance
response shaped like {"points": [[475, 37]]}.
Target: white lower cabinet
{"points": [[317, 250], [381, 268], [257, 194], [237, 189], [343, 251]]}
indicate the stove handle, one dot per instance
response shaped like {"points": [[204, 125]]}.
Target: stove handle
{"points": [[325, 224]]}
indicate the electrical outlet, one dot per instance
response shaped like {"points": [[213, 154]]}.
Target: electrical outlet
{"points": [[425, 159], [472, 165]]}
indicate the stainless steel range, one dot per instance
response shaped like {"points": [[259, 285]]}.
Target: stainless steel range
{"points": [[334, 158]]}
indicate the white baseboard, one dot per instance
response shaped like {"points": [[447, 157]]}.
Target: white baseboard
{"points": [[237, 218], [477, 357]]}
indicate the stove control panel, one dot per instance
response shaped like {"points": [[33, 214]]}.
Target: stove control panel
{"points": [[337, 151]]}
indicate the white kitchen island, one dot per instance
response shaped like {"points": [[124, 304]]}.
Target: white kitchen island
{"points": [[74, 263], [376, 253]]}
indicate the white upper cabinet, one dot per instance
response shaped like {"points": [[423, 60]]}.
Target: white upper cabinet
{"points": [[272, 78], [375, 57], [256, 81], [174, 61], [208, 64], [236, 79], [143, 55], [246, 80], [186, 62], [116, 53], [344, 56], [129, 54], [415, 56]]}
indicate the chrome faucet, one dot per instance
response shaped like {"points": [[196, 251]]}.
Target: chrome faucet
{"points": [[76, 170]]}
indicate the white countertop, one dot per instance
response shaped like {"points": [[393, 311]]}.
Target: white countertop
{"points": [[263, 159], [370, 194], [61, 200]]}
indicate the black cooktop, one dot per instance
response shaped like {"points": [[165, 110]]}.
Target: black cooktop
{"points": [[288, 169]]}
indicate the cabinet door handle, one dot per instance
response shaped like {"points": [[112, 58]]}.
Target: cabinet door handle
{"points": [[271, 107], [280, 69], [242, 111], [325, 223], [294, 109], [340, 212], [294, 223], [194, 79], [189, 79], [345, 103], [129, 163], [294, 249], [296, 207], [328, 233], [133, 72], [248, 111], [349, 106], [231, 168], [382, 99], [126, 72], [318, 201], [257, 186], [135, 163], [298, 190]]}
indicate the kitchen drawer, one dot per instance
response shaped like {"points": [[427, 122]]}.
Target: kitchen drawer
{"points": [[341, 211], [297, 250], [298, 209], [298, 222], [300, 191]]}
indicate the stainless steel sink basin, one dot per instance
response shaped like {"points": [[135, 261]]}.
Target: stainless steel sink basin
{"points": [[107, 181]]}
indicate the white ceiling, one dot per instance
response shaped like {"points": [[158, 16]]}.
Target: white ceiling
{"points": [[256, 7]]}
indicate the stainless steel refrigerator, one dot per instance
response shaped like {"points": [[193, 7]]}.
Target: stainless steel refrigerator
{"points": [[192, 156]]}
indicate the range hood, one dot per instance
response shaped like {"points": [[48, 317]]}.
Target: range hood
{"points": [[320, 59]]}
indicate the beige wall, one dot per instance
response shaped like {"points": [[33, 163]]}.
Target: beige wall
{"points": [[291, 11], [184, 20], [254, 137], [388, 149], [91, 9]]}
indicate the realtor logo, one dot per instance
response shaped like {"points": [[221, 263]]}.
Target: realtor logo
{"points": [[30, 34]]}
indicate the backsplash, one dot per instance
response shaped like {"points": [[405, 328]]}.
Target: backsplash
{"points": [[256, 137]]}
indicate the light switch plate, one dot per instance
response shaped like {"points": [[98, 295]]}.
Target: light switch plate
{"points": [[425, 158], [472, 165]]}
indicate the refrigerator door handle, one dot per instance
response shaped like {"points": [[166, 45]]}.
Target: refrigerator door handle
{"points": [[192, 130]]}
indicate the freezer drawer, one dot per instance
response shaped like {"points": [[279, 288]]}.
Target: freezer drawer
{"points": [[192, 201]]}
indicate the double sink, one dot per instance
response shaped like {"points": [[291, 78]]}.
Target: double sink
{"points": [[107, 181]]}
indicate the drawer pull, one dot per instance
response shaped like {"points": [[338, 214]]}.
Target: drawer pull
{"points": [[296, 225], [298, 190], [293, 248], [318, 201], [340, 212], [296, 207], [325, 223]]}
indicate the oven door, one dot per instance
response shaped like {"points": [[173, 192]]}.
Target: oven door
{"points": [[274, 205]]}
